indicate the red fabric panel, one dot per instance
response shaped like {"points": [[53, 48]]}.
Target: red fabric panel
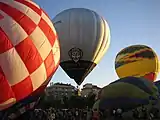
{"points": [[4, 42], [29, 54], [23, 88], [49, 64], [5, 89], [150, 76], [47, 31]]}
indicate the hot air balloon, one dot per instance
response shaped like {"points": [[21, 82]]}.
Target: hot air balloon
{"points": [[84, 38], [137, 61], [128, 93], [29, 52]]}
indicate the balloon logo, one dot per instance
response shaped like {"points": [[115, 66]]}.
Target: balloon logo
{"points": [[137, 61], [29, 50], [75, 54]]}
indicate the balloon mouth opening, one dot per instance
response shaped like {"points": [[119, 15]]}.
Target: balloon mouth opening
{"points": [[77, 71]]}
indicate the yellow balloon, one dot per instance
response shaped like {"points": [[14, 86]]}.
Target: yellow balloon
{"points": [[137, 61]]}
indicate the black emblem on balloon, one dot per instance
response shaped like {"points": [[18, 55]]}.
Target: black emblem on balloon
{"points": [[75, 54]]}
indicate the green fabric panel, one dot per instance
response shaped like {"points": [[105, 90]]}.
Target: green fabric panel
{"points": [[123, 90]]}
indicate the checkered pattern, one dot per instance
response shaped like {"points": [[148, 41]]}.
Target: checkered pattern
{"points": [[29, 50]]}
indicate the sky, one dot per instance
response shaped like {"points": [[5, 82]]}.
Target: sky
{"points": [[131, 22]]}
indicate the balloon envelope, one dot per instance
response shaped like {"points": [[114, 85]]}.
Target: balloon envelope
{"points": [[138, 61], [84, 38], [128, 93], [29, 52]]}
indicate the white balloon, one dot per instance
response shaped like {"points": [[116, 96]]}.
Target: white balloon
{"points": [[84, 29], [84, 38]]}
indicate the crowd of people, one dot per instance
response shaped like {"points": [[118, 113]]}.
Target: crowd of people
{"points": [[141, 113], [61, 114]]}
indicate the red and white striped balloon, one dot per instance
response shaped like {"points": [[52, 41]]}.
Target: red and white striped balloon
{"points": [[29, 50]]}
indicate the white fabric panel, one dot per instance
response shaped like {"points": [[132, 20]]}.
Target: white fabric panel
{"points": [[9, 25], [24, 9], [10, 60], [43, 46], [84, 29], [38, 77]]}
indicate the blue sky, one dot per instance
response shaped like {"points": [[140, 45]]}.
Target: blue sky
{"points": [[131, 22]]}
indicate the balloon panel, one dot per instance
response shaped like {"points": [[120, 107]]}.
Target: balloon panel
{"points": [[77, 71], [138, 61], [29, 57], [124, 103], [141, 83], [130, 87], [124, 90]]}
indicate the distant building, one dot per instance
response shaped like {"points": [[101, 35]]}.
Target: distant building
{"points": [[59, 90], [89, 88]]}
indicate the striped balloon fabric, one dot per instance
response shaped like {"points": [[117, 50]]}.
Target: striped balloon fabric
{"points": [[29, 50]]}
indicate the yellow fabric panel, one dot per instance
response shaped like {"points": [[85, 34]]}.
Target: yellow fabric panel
{"points": [[122, 89], [104, 42], [138, 68]]}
